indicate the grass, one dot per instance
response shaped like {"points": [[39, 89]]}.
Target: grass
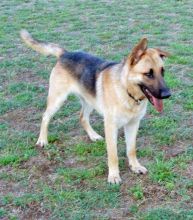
{"points": [[67, 179], [167, 214], [137, 192]]}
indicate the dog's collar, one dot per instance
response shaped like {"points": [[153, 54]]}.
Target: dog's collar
{"points": [[137, 101]]}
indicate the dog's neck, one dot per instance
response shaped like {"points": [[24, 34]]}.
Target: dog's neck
{"points": [[138, 101], [133, 90]]}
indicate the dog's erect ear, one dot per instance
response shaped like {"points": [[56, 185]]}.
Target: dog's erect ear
{"points": [[138, 51], [162, 53]]}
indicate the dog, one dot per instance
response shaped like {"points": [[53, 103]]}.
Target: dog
{"points": [[119, 91]]}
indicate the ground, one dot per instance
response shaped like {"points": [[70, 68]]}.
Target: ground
{"points": [[67, 179]]}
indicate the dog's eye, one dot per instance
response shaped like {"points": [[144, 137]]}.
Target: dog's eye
{"points": [[162, 71], [150, 74]]}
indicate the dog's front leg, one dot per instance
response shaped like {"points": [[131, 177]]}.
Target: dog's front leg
{"points": [[130, 136], [111, 131]]}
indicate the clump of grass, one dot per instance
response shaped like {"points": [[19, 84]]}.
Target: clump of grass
{"points": [[9, 159], [79, 174], [137, 192], [166, 214], [2, 212], [94, 149], [162, 171]]}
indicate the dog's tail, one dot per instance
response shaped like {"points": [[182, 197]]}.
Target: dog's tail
{"points": [[41, 47]]}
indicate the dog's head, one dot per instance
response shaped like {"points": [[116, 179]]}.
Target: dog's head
{"points": [[146, 70]]}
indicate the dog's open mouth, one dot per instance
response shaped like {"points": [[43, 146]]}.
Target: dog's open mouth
{"points": [[157, 103]]}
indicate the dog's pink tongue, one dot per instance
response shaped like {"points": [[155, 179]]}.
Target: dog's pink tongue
{"points": [[158, 104]]}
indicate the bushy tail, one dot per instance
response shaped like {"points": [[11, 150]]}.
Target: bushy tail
{"points": [[41, 47]]}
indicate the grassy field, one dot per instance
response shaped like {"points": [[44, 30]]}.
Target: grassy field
{"points": [[67, 179]]}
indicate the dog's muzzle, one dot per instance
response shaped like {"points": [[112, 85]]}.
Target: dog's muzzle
{"points": [[165, 93]]}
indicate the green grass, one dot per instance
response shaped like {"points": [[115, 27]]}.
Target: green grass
{"points": [[93, 149], [74, 175], [161, 171], [137, 192], [67, 179], [167, 214]]}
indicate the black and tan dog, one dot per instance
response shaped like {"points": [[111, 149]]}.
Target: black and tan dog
{"points": [[119, 91]]}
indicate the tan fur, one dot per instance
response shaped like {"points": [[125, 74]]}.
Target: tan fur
{"points": [[44, 48], [111, 100]]}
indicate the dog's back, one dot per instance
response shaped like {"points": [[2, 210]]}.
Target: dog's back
{"points": [[84, 67]]}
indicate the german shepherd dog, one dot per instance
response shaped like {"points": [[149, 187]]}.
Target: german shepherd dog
{"points": [[118, 91]]}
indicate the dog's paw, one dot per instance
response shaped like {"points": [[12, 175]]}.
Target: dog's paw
{"points": [[139, 169], [95, 137], [41, 143], [114, 179]]}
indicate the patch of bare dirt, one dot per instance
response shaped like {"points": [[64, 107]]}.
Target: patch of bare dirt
{"points": [[39, 168], [173, 151], [5, 187], [154, 195], [38, 161], [10, 186], [21, 119], [189, 171], [33, 210], [31, 77]]}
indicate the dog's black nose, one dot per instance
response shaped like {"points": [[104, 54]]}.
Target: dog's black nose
{"points": [[165, 93]]}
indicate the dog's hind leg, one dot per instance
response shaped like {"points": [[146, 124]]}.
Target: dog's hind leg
{"points": [[58, 92], [84, 120]]}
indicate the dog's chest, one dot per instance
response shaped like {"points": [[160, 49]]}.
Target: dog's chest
{"points": [[130, 115]]}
